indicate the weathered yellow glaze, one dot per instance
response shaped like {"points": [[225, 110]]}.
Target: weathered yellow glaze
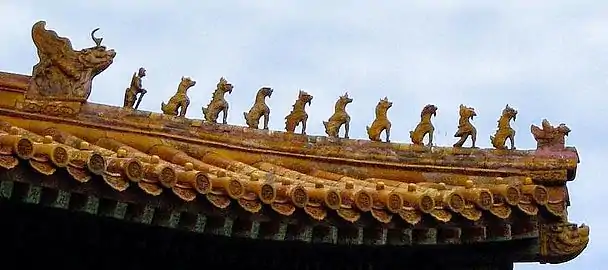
{"points": [[47, 121]]}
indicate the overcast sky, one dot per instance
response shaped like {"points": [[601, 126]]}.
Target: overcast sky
{"points": [[547, 59]]}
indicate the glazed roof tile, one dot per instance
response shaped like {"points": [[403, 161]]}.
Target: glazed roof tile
{"points": [[222, 180]]}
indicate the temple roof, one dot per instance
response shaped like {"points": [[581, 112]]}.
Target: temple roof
{"points": [[47, 122]]}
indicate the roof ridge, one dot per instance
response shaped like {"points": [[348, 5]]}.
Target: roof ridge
{"points": [[61, 88]]}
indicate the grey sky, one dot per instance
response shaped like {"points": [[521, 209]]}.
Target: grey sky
{"points": [[547, 59]]}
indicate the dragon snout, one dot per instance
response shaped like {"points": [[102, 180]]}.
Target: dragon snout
{"points": [[112, 52]]}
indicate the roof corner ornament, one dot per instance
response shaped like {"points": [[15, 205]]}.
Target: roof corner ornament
{"points": [[62, 72], [132, 100], [259, 109], [505, 131], [550, 137], [562, 242], [218, 103], [339, 118], [425, 126], [381, 122], [298, 113], [178, 104], [465, 127]]}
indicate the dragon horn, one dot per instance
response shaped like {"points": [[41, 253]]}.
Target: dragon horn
{"points": [[95, 39]]}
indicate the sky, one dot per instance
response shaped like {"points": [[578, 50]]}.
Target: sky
{"points": [[547, 59]]}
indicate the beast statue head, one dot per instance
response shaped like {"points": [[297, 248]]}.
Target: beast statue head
{"points": [[562, 129], [223, 86], [64, 73], [509, 112], [343, 100], [550, 137], [429, 109], [305, 97], [265, 91], [185, 84], [141, 72], [467, 112], [384, 104]]}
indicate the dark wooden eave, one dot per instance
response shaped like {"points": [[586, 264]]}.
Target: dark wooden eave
{"points": [[23, 185]]}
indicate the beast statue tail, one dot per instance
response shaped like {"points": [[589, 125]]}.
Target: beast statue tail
{"points": [[126, 103], [245, 114], [163, 106], [326, 124], [205, 111], [411, 135], [290, 126], [493, 140]]}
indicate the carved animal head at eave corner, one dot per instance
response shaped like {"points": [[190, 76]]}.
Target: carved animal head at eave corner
{"points": [[572, 233], [509, 112], [186, 83], [223, 86], [563, 242], [63, 72], [429, 109], [467, 112], [305, 97]]}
